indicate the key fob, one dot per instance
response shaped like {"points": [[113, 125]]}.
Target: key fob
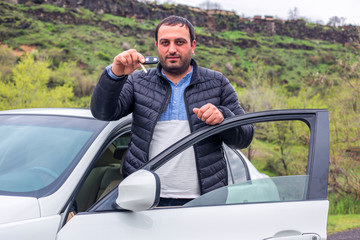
{"points": [[151, 60]]}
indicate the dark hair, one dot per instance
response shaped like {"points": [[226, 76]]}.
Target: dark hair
{"points": [[173, 21]]}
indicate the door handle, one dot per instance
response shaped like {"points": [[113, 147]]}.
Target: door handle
{"points": [[307, 236]]}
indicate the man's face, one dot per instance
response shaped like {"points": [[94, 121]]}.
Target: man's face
{"points": [[175, 48]]}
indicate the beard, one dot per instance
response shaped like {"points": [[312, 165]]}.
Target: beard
{"points": [[177, 68]]}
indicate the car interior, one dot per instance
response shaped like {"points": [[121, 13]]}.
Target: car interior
{"points": [[105, 175]]}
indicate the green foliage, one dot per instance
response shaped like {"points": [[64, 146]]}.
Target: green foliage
{"points": [[28, 87], [343, 102], [349, 204], [104, 56], [280, 148], [344, 110], [287, 137], [7, 60], [235, 35], [168, 6], [85, 13], [50, 8]]}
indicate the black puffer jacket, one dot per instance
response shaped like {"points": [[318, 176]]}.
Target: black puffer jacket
{"points": [[147, 96]]}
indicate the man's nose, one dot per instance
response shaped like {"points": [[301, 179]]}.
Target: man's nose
{"points": [[172, 48]]}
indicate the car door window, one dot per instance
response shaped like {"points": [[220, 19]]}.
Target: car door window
{"points": [[238, 170], [275, 169]]}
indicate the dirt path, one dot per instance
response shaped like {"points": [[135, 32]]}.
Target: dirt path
{"points": [[24, 48]]}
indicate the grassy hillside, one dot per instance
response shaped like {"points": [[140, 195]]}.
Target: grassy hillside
{"points": [[92, 40], [71, 47]]}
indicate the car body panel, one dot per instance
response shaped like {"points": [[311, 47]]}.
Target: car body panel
{"points": [[247, 221], [14, 209], [71, 112], [43, 228]]}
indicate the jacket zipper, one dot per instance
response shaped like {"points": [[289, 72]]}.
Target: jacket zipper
{"points": [[161, 110]]}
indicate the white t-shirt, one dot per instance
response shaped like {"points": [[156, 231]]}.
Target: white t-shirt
{"points": [[178, 176]]}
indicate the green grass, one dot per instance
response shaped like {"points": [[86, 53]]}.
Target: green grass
{"points": [[235, 35], [340, 223], [202, 31], [343, 204], [50, 8]]}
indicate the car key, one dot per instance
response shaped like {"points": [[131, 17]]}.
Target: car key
{"points": [[151, 60]]}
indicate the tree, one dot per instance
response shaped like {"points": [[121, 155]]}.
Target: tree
{"points": [[28, 87], [207, 5], [294, 14], [344, 111], [7, 60], [336, 21]]}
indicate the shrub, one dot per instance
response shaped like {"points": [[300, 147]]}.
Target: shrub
{"points": [[103, 56]]}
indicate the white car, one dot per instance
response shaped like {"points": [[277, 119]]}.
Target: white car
{"points": [[60, 178]]}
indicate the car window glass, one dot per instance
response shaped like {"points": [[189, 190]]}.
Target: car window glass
{"points": [[236, 164], [280, 148], [36, 150], [275, 189], [277, 155]]}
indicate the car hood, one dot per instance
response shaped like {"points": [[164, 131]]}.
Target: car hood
{"points": [[14, 209]]}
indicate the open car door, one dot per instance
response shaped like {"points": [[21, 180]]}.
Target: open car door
{"points": [[290, 145]]}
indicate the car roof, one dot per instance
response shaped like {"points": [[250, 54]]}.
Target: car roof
{"points": [[71, 112]]}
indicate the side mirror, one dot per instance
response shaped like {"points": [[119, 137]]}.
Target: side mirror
{"points": [[139, 191]]}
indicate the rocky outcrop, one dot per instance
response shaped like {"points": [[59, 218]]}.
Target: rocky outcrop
{"points": [[132, 9], [216, 21]]}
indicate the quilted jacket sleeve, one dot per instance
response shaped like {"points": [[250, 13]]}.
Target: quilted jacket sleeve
{"points": [[239, 137], [112, 99]]}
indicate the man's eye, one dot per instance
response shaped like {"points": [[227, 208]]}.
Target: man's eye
{"points": [[180, 42], [164, 43]]}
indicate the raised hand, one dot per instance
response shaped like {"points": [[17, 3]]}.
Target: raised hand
{"points": [[126, 62]]}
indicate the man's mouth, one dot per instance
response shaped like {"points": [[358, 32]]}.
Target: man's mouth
{"points": [[173, 58]]}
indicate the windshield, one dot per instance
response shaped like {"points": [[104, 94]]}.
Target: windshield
{"points": [[37, 152]]}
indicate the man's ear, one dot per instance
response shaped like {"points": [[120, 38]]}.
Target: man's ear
{"points": [[156, 44], [193, 46]]}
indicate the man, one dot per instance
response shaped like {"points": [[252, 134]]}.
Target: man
{"points": [[169, 102]]}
